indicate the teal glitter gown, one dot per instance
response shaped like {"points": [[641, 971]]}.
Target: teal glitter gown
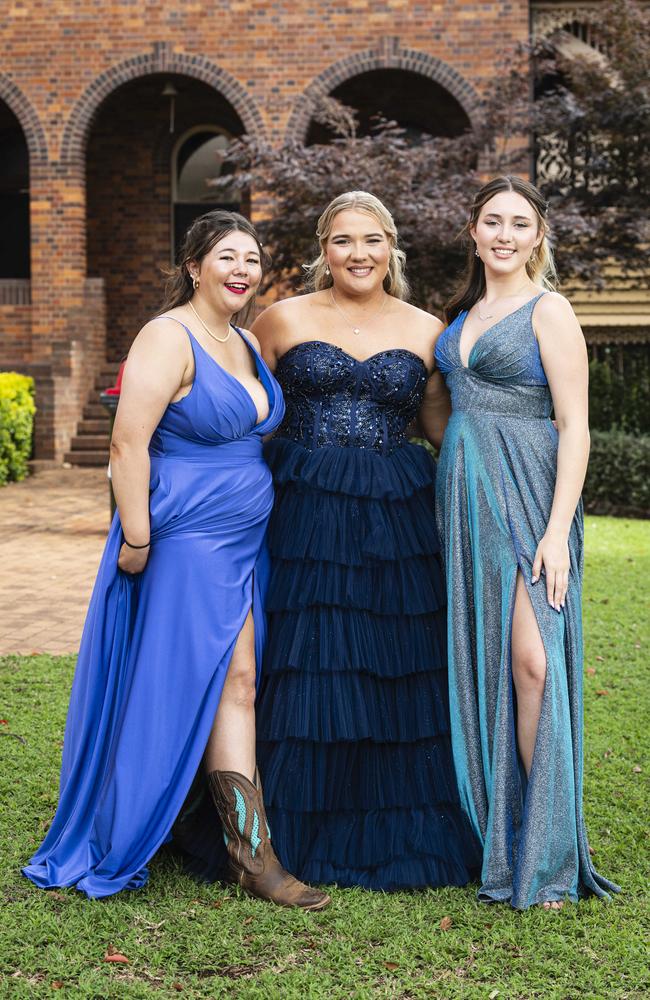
{"points": [[494, 489]]}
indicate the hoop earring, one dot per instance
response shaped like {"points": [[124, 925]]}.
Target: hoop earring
{"points": [[196, 281]]}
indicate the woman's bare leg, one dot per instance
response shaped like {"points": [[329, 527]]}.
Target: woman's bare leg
{"points": [[230, 765], [529, 677], [528, 672], [231, 746]]}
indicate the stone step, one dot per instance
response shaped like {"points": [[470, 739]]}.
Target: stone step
{"points": [[96, 459], [105, 381], [95, 411], [94, 426], [90, 445], [90, 442]]}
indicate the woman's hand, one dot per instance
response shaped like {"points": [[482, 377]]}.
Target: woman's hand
{"points": [[552, 556], [132, 560]]}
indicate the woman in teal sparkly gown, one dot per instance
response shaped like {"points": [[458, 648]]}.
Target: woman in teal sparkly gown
{"points": [[510, 520]]}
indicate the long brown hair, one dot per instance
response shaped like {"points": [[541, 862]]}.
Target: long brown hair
{"points": [[539, 267], [395, 282], [204, 233]]}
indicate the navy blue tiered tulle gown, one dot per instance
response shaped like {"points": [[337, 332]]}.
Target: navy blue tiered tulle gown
{"points": [[156, 647], [353, 722]]}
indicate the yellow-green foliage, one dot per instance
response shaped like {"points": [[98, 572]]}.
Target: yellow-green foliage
{"points": [[16, 425]]}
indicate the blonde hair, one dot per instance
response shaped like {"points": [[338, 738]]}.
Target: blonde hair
{"points": [[395, 282], [540, 266]]}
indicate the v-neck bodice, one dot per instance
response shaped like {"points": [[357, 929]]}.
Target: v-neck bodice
{"points": [[504, 372], [218, 409], [506, 352]]}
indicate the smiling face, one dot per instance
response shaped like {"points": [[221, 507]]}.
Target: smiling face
{"points": [[230, 273], [357, 251], [507, 232]]}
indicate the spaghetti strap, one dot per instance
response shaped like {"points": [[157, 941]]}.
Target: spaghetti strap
{"points": [[180, 322]]}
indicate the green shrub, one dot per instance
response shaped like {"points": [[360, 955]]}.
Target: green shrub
{"points": [[619, 390], [618, 478], [16, 425]]}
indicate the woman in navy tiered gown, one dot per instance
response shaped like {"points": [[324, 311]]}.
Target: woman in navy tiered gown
{"points": [[166, 671], [353, 722]]}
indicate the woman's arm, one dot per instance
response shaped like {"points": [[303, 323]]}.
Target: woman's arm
{"points": [[564, 356], [266, 328], [159, 363], [435, 409], [434, 412]]}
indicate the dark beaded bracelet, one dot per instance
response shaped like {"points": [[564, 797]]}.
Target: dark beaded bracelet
{"points": [[136, 546]]}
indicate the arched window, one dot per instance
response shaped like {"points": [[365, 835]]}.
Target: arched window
{"points": [[418, 104], [199, 156], [14, 197]]}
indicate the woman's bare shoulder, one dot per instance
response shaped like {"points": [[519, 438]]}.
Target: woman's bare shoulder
{"points": [[251, 336], [553, 313], [423, 327], [282, 315], [162, 333], [553, 305]]}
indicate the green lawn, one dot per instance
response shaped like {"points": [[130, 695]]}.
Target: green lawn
{"points": [[207, 941]]}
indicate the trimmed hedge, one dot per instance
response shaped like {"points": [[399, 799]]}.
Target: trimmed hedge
{"points": [[618, 478], [16, 425]]}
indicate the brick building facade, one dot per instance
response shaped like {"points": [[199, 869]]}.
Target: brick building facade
{"points": [[106, 107]]}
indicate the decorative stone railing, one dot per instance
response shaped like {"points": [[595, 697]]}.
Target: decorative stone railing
{"points": [[574, 18], [15, 292]]}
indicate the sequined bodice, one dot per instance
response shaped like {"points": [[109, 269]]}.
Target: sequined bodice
{"points": [[334, 399]]}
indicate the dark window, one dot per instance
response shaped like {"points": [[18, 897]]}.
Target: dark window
{"points": [[14, 198], [199, 158]]}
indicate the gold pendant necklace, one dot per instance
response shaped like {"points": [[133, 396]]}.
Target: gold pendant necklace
{"points": [[355, 329], [221, 340]]}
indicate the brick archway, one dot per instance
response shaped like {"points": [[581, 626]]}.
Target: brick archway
{"points": [[28, 119], [388, 55], [162, 59]]}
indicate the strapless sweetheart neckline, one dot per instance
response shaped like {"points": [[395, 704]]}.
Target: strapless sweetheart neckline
{"points": [[358, 361]]}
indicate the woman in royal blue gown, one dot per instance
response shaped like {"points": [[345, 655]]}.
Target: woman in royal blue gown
{"points": [[353, 721], [510, 518], [166, 675]]}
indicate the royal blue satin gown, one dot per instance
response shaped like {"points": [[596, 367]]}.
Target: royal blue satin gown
{"points": [[352, 719], [156, 647], [495, 485]]}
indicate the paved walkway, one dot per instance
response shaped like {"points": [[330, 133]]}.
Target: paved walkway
{"points": [[52, 531]]}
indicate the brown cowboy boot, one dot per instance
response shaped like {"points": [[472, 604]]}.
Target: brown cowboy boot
{"points": [[248, 839]]}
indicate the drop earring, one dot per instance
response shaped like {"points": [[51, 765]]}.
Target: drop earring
{"points": [[327, 271], [476, 253], [196, 281]]}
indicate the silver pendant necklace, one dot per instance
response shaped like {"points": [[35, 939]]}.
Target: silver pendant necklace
{"points": [[504, 298], [355, 329]]}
